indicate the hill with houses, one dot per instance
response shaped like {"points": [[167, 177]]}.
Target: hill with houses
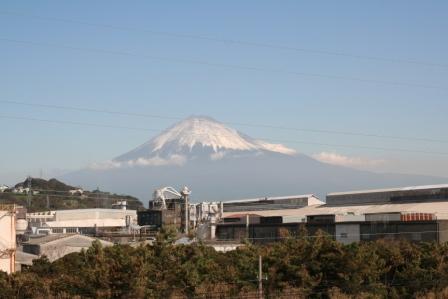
{"points": [[41, 195]]}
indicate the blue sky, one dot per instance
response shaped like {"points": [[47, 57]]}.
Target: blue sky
{"points": [[54, 74]]}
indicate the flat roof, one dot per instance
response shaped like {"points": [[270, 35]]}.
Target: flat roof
{"points": [[270, 198], [46, 239], [74, 238], [106, 222], [94, 210], [411, 188]]}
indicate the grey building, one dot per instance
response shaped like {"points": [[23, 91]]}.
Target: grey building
{"points": [[413, 213], [59, 245]]}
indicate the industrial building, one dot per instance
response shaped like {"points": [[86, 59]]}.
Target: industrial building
{"points": [[82, 221], [168, 208], [271, 203], [59, 245], [414, 213]]}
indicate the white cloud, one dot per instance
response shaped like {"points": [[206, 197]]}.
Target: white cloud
{"points": [[341, 160], [105, 165], [155, 161], [217, 156], [273, 147]]}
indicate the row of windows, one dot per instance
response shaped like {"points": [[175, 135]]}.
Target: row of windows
{"points": [[68, 230]]}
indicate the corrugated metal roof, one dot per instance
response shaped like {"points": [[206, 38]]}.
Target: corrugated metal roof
{"points": [[25, 258], [270, 198], [47, 239], [239, 215], [411, 188], [75, 240], [440, 209]]}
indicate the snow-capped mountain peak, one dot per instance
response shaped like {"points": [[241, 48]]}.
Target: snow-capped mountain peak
{"points": [[196, 137], [202, 131]]}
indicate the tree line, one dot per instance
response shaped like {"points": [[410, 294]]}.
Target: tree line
{"points": [[300, 267]]}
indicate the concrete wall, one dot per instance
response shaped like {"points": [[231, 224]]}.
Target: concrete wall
{"points": [[383, 217], [347, 233], [7, 241], [59, 248], [81, 214], [415, 231], [350, 218], [443, 231]]}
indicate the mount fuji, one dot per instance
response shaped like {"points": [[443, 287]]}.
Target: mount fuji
{"points": [[197, 138], [220, 163]]}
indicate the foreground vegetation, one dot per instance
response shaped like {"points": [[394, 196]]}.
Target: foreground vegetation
{"points": [[296, 268]]}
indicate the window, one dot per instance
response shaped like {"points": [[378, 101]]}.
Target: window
{"points": [[344, 235]]}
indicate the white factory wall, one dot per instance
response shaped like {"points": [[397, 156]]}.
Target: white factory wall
{"points": [[350, 218], [81, 214], [7, 241]]}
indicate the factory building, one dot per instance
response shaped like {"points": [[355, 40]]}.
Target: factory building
{"points": [[59, 245], [271, 203], [82, 221], [413, 213]]}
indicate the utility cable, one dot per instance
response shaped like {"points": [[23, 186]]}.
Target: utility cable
{"points": [[223, 65], [267, 139]]}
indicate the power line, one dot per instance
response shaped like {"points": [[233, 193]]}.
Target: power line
{"points": [[268, 139], [229, 41], [223, 65], [268, 126], [111, 197], [327, 235]]}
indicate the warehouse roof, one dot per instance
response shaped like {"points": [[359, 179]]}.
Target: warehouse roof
{"points": [[411, 188], [47, 239], [270, 198], [76, 240], [24, 258]]}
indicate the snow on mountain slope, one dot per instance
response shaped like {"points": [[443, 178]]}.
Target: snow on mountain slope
{"points": [[203, 131], [220, 163], [192, 138]]}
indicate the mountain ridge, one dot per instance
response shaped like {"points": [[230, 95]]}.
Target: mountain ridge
{"points": [[199, 132], [237, 166]]}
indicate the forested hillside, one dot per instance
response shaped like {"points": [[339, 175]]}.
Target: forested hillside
{"points": [[56, 195]]}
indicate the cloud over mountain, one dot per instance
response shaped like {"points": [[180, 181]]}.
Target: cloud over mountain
{"points": [[341, 160], [220, 163]]}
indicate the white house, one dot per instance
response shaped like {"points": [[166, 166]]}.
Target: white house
{"points": [[78, 191]]}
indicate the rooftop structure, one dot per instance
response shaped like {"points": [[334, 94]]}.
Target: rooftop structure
{"points": [[271, 203], [24, 259], [414, 193], [85, 221], [57, 246]]}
